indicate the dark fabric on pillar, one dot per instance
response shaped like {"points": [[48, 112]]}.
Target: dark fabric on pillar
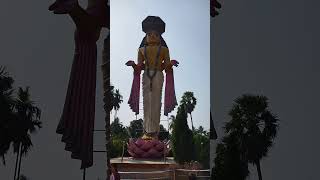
{"points": [[77, 121], [213, 133]]}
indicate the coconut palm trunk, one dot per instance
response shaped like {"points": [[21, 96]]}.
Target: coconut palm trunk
{"points": [[107, 97], [17, 160], [115, 114], [192, 122], [259, 169], [19, 156]]}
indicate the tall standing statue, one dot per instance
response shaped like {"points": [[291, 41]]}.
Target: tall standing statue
{"points": [[153, 58], [77, 121]]}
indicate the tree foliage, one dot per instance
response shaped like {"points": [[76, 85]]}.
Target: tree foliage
{"points": [[249, 136], [118, 130], [27, 122], [202, 147], [182, 137], [164, 133], [6, 111], [189, 101], [136, 128], [19, 118], [254, 127], [229, 164], [119, 137], [116, 99]]}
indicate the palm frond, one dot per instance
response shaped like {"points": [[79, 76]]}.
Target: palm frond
{"points": [[3, 160]]}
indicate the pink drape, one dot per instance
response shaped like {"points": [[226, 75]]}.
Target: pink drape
{"points": [[135, 93], [77, 121], [170, 101]]}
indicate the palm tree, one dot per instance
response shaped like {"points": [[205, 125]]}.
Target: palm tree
{"points": [[182, 137], [189, 101], [6, 111], [26, 122], [116, 100], [254, 127]]}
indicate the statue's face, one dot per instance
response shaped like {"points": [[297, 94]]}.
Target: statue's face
{"points": [[153, 38]]}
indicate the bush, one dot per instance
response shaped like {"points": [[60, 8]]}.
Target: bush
{"points": [[116, 148]]}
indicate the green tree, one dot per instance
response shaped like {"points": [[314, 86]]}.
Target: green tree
{"points": [[118, 130], [6, 111], [163, 134], [201, 131], [26, 123], [254, 127], [182, 138], [19, 119], [229, 164], [202, 146], [189, 101], [116, 100], [136, 128], [119, 136], [118, 146]]}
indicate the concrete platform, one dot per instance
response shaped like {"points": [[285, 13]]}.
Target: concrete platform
{"points": [[133, 168]]}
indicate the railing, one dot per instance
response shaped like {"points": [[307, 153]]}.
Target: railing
{"points": [[167, 174], [177, 174], [186, 173]]}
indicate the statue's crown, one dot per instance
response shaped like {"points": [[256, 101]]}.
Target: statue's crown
{"points": [[154, 23]]}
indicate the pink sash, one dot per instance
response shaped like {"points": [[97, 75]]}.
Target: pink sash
{"points": [[170, 101], [135, 92]]}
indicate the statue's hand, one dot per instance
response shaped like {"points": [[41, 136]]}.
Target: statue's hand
{"points": [[174, 63]]}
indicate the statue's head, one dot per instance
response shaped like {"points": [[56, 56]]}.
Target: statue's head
{"points": [[153, 26], [153, 38]]}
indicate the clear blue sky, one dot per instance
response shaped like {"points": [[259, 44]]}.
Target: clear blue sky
{"points": [[188, 38]]}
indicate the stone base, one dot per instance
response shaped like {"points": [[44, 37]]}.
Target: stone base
{"points": [[138, 168], [135, 168]]}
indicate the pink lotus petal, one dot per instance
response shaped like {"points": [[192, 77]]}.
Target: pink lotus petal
{"points": [[147, 145], [159, 147], [139, 142], [139, 151], [154, 153]]}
